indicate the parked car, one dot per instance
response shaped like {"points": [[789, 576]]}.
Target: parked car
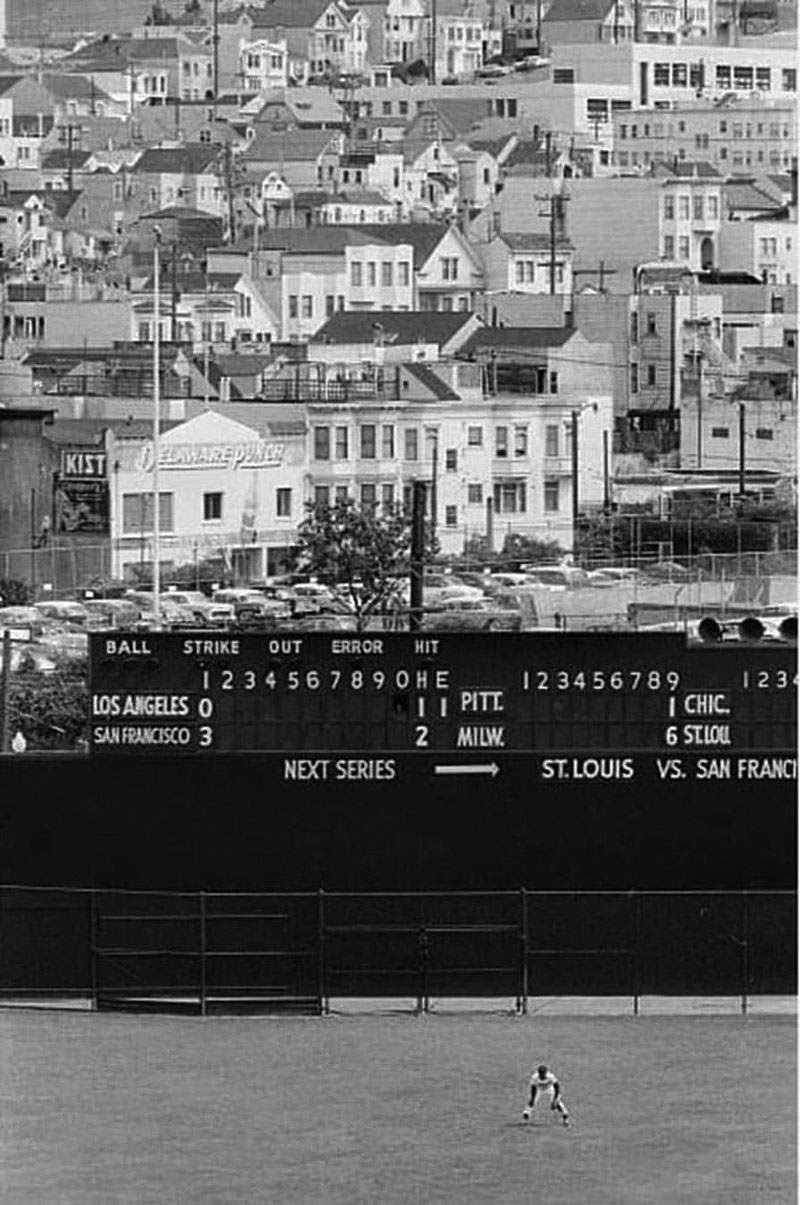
{"points": [[64, 612], [23, 618], [668, 571], [558, 577], [613, 575], [249, 604], [171, 613], [111, 613], [313, 593], [206, 610]]}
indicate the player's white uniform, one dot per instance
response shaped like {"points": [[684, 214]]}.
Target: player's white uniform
{"points": [[545, 1086]]}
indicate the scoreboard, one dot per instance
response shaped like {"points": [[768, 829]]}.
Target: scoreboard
{"points": [[341, 706]]}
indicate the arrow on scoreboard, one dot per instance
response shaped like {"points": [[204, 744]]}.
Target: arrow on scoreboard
{"points": [[492, 769]]}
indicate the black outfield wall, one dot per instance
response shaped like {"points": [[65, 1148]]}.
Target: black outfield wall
{"points": [[234, 822]]}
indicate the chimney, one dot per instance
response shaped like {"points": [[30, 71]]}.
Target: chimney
{"points": [[569, 312]]}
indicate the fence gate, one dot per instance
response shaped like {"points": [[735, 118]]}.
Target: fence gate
{"points": [[206, 953]]}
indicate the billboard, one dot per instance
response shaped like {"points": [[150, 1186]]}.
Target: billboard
{"points": [[80, 493]]}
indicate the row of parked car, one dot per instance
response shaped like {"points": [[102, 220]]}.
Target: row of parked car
{"points": [[495, 595]]}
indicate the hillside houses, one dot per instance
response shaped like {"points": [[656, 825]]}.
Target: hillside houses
{"points": [[462, 235]]}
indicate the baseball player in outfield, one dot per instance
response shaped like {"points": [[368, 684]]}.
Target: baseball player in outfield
{"points": [[545, 1086]]}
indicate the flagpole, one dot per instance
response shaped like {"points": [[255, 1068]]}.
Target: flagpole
{"points": [[156, 425]]}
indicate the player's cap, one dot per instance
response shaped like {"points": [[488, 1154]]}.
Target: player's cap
{"points": [[542, 1068]]}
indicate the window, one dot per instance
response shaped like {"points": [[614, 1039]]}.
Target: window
{"points": [[451, 516], [356, 274], [680, 75], [661, 75], [212, 507], [403, 275], [763, 79], [651, 324], [509, 498], [387, 275], [669, 247], [341, 494], [669, 208], [651, 375], [449, 267], [322, 495], [292, 305], [369, 497], [698, 208], [387, 442], [475, 437], [683, 207], [713, 207], [330, 306], [683, 248], [308, 306], [520, 441], [743, 78], [789, 79], [551, 493], [634, 378], [634, 328], [137, 512], [475, 494], [554, 382], [322, 443], [764, 433], [144, 332], [283, 503], [368, 432], [720, 433], [411, 443], [501, 441], [372, 274]]}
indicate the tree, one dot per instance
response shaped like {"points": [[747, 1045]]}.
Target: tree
{"points": [[14, 593], [359, 549]]}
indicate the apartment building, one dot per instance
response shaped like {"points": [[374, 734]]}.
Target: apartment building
{"points": [[765, 247], [500, 464], [662, 76], [742, 136]]}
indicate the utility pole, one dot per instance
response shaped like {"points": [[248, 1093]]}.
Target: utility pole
{"points": [[215, 44], [699, 370], [606, 476], [575, 415], [227, 159], [434, 21], [173, 323], [156, 426], [553, 203], [417, 566]]}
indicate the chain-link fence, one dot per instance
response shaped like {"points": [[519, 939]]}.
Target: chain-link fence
{"points": [[212, 952]]}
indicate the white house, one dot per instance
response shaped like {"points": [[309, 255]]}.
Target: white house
{"points": [[225, 489], [263, 64]]}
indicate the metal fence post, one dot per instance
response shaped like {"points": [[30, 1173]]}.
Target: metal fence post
{"points": [[522, 1004], [745, 950], [423, 1002], [202, 912], [322, 969], [637, 951], [93, 950]]}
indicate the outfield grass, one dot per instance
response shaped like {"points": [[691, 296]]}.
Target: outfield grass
{"points": [[394, 1110]]}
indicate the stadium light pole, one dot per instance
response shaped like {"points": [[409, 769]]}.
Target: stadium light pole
{"points": [[156, 424]]}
